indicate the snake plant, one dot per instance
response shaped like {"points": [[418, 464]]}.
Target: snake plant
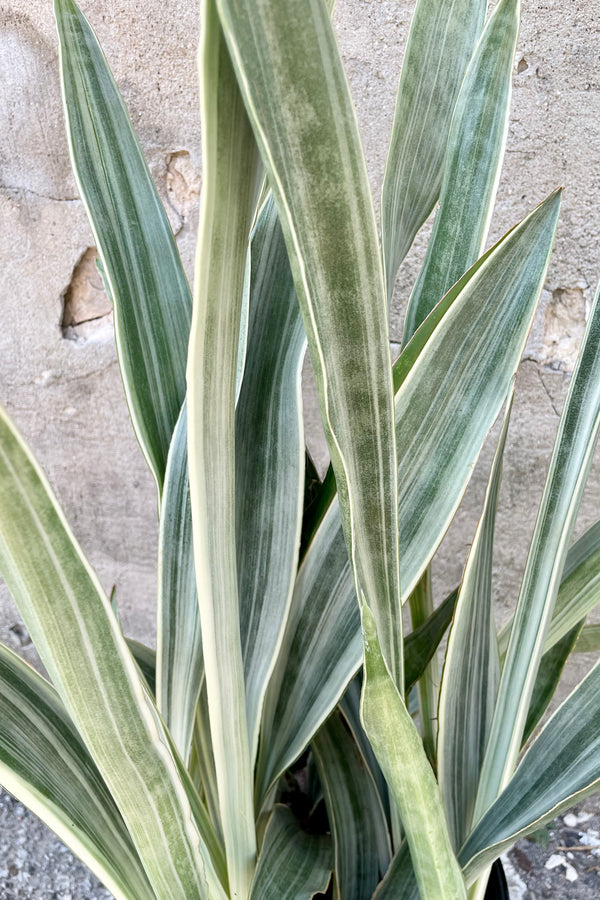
{"points": [[290, 736]]}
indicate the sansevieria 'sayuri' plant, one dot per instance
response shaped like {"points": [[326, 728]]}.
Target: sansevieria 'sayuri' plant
{"points": [[289, 738]]}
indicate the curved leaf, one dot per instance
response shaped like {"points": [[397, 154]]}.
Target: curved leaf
{"points": [[358, 825], [292, 865], [321, 649], [560, 768], [140, 260], [45, 765], [83, 649], [573, 449]]}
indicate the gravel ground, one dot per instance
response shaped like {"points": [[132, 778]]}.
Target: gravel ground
{"points": [[561, 862], [35, 865]]}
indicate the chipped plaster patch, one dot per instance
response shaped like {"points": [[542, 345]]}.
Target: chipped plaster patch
{"points": [[87, 310], [564, 327]]}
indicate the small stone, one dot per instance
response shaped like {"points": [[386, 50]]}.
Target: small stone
{"points": [[571, 820]]}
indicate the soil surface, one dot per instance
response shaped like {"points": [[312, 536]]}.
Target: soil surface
{"points": [[561, 860]]}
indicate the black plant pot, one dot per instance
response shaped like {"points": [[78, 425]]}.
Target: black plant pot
{"points": [[497, 888]]}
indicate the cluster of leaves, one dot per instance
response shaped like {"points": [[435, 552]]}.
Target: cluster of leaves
{"points": [[280, 596]]}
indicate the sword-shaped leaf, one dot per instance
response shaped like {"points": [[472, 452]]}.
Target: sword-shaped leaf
{"points": [[471, 668], [269, 461], [290, 72], [179, 641], [441, 40], [400, 753], [578, 594], [561, 767], [548, 676], [321, 651], [566, 478], [232, 182], [140, 260], [292, 865], [83, 649], [494, 303], [361, 843], [350, 707], [45, 765], [472, 166]]}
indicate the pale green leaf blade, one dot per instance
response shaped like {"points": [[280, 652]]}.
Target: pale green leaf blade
{"points": [[179, 661], [361, 843], [400, 753], [350, 707], [292, 865], [498, 295], [290, 72], [45, 765], [579, 590], [441, 41], [548, 676], [140, 260], [469, 361], [321, 651], [588, 640], [269, 462], [232, 181], [561, 766], [577, 433], [472, 167], [82, 647], [471, 668]]}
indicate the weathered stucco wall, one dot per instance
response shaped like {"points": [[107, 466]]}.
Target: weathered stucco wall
{"points": [[58, 373]]}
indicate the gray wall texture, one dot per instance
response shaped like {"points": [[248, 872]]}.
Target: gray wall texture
{"points": [[58, 373]]}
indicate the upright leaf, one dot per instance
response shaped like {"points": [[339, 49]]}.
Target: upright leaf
{"points": [[441, 41], [399, 751], [321, 651], [358, 825], [45, 765], [471, 669], [232, 180], [179, 668], [140, 260], [480, 342], [294, 86], [566, 478], [269, 461], [83, 649], [292, 865], [472, 167]]}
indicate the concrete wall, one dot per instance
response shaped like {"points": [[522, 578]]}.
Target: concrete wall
{"points": [[58, 372]]}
